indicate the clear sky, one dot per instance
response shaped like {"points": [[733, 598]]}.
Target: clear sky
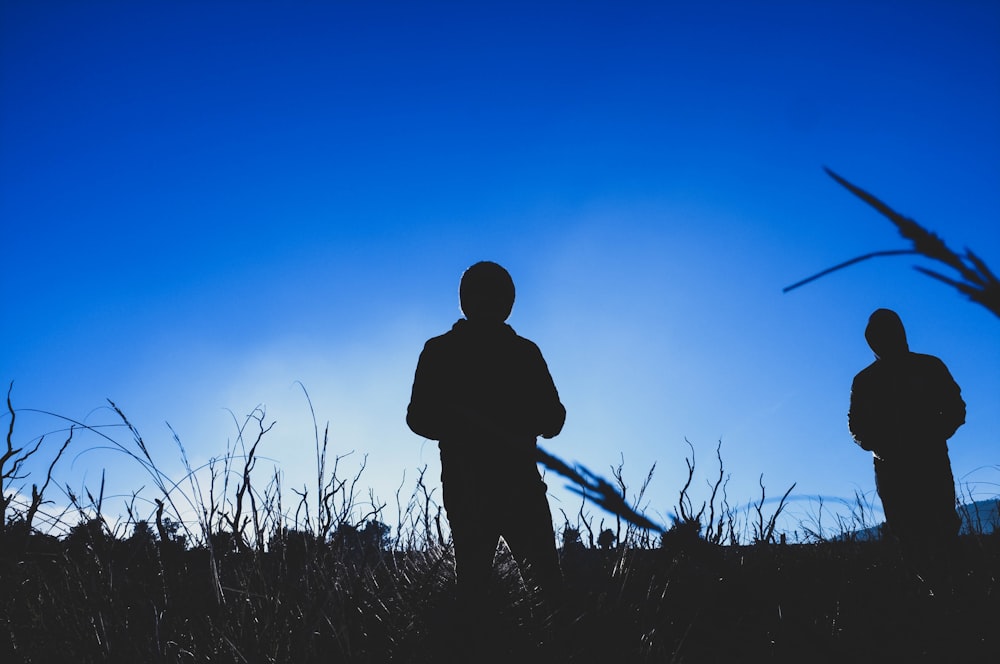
{"points": [[205, 204]]}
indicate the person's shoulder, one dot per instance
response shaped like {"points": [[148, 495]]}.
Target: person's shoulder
{"points": [[525, 343], [441, 341], [923, 357], [872, 369], [926, 360]]}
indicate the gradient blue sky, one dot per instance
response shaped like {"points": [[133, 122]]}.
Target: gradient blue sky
{"points": [[205, 203]]}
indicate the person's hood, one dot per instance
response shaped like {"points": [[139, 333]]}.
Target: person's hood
{"points": [[885, 334]]}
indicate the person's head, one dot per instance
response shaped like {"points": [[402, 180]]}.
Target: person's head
{"points": [[885, 334], [486, 292]]}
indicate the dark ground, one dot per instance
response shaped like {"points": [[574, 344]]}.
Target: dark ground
{"points": [[97, 599]]}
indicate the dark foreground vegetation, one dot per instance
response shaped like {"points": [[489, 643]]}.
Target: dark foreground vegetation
{"points": [[93, 598], [226, 573]]}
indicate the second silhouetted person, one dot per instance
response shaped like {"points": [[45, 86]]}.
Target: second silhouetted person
{"points": [[904, 408]]}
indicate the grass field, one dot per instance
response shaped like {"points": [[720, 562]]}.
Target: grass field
{"points": [[255, 581]]}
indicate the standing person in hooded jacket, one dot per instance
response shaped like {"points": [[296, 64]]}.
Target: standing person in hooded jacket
{"points": [[485, 394], [904, 408]]}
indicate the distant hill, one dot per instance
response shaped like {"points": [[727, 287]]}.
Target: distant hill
{"points": [[982, 516]]}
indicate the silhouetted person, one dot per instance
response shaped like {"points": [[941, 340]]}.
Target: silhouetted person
{"points": [[904, 407], [485, 394]]}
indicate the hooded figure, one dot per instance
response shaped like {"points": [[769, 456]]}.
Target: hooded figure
{"points": [[485, 394], [904, 408]]}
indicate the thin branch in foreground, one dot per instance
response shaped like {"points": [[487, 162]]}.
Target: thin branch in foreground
{"points": [[977, 282], [840, 266], [597, 489]]}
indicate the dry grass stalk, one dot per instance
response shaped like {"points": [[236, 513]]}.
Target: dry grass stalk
{"points": [[974, 279]]}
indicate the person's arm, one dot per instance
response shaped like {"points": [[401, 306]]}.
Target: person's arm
{"points": [[952, 409], [424, 414], [550, 414], [859, 416]]}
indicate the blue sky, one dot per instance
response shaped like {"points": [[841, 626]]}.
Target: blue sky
{"points": [[205, 204]]}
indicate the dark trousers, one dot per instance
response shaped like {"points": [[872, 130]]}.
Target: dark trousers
{"points": [[918, 498], [482, 508]]}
